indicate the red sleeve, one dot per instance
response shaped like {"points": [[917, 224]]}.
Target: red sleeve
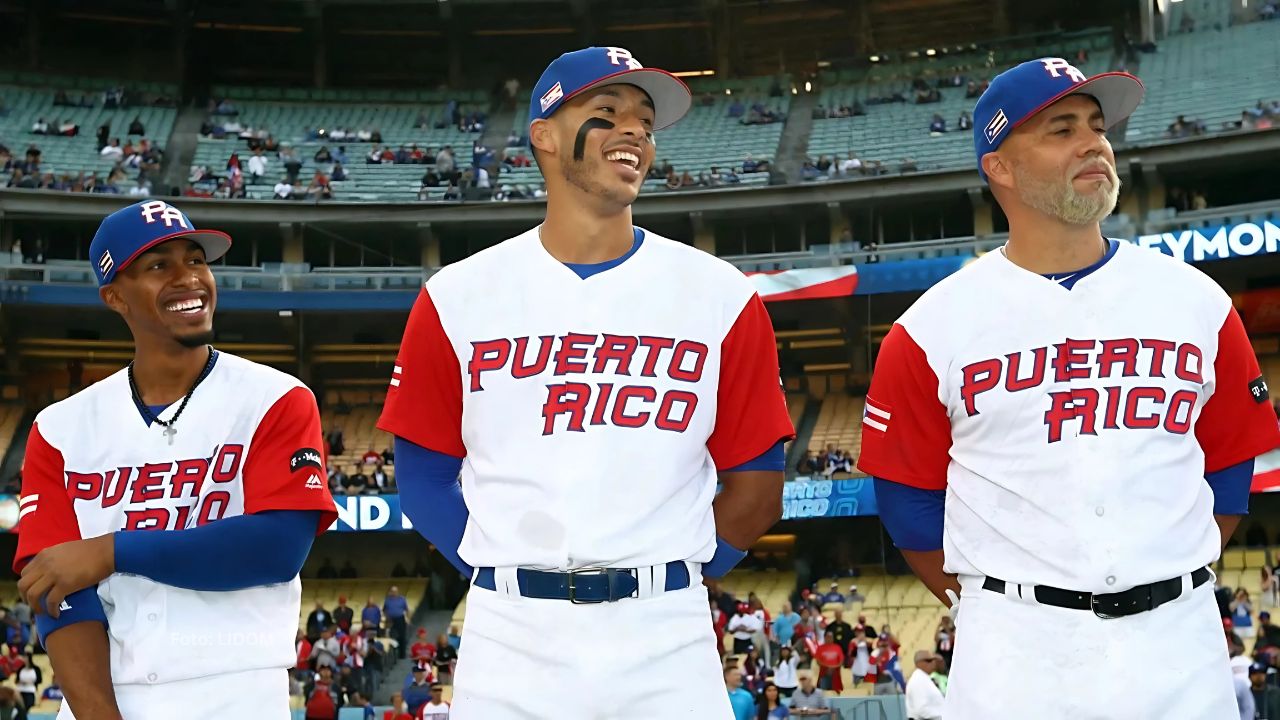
{"points": [[284, 469], [46, 516], [1237, 422], [906, 434], [424, 402], [751, 412]]}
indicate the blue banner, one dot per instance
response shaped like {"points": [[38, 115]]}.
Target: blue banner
{"points": [[369, 512], [807, 497]]}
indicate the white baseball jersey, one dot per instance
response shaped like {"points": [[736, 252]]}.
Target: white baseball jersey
{"points": [[592, 414], [1071, 428], [247, 442]]}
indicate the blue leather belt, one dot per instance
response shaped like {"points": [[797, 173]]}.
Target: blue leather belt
{"points": [[589, 585]]}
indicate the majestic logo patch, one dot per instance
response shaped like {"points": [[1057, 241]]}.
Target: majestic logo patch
{"points": [[315, 483], [1258, 388], [306, 457], [555, 93]]}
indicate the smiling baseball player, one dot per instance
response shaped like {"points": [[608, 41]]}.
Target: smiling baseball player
{"points": [[167, 509], [592, 381], [1085, 415]]}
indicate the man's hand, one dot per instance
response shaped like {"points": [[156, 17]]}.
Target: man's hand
{"points": [[57, 571]]}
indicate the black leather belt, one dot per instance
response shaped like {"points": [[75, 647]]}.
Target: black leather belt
{"points": [[1110, 605]]}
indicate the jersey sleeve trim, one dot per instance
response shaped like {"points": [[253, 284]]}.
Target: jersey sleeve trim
{"points": [[46, 515]]}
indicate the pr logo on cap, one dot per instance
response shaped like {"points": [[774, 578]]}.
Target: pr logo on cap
{"points": [[168, 213]]}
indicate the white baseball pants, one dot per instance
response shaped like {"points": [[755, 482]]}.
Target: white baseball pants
{"points": [[258, 694]]}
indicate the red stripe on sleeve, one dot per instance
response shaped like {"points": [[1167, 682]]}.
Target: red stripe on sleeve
{"points": [[424, 402], [1235, 425], [47, 516], [906, 434]]}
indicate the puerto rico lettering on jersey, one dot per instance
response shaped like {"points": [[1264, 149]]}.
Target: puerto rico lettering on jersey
{"points": [[152, 484], [623, 404], [1100, 406]]}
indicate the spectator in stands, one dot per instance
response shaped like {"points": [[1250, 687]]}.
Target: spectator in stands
{"points": [[743, 625], [339, 173], [1269, 11], [348, 571], [323, 156], [830, 658], [319, 187], [436, 708], [809, 701], [322, 696], [396, 609], [113, 151], [1266, 696], [225, 107], [66, 128], [378, 480], [375, 136], [343, 614], [965, 122], [135, 126], [374, 157], [850, 166], [452, 193], [325, 649], [142, 189], [454, 637], [740, 700], [785, 670], [840, 630], [772, 705], [924, 698], [889, 680], [422, 650], [292, 164], [257, 166], [283, 190], [753, 671], [446, 658], [371, 616], [356, 482], [1242, 613], [388, 156], [320, 618], [937, 125], [784, 625], [40, 127], [28, 681]]}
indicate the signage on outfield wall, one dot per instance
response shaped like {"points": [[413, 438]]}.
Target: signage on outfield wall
{"points": [[808, 497], [1216, 243], [369, 513]]}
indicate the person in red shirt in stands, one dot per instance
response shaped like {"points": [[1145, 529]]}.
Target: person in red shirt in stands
{"points": [[304, 651], [830, 658], [421, 649], [370, 457], [397, 711]]}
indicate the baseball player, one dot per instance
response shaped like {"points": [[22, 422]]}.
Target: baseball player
{"points": [[592, 381], [1085, 415], [189, 471]]}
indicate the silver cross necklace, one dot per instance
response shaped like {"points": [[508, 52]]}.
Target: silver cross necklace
{"points": [[168, 425]]}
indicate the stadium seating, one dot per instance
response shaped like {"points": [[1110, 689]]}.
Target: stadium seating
{"points": [[1209, 75], [892, 132], [839, 424], [356, 413], [288, 114], [708, 137], [29, 97], [10, 416], [357, 593]]}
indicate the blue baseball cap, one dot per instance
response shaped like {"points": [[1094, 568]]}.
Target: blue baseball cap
{"points": [[128, 232], [581, 70], [1017, 94]]}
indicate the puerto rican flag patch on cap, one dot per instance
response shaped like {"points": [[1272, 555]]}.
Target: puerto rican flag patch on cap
{"points": [[555, 93], [876, 416]]}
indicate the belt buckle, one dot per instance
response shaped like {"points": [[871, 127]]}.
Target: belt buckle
{"points": [[573, 588], [1093, 605]]}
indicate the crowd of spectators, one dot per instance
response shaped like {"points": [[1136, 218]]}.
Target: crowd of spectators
{"points": [[779, 666], [24, 682], [341, 663], [827, 463], [753, 112]]}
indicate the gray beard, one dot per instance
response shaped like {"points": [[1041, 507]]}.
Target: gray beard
{"points": [[1063, 202]]}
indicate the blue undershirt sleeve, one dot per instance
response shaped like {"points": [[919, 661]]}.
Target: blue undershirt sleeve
{"points": [[913, 516], [80, 606], [229, 554], [431, 496], [1231, 488], [775, 458]]}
